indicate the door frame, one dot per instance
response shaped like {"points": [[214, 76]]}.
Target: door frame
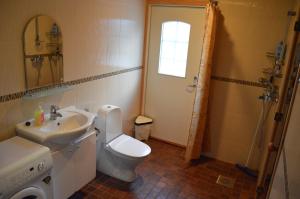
{"points": [[148, 9]]}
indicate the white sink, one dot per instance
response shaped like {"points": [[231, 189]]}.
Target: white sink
{"points": [[73, 123]]}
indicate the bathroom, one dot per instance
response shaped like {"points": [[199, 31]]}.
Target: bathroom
{"points": [[105, 46]]}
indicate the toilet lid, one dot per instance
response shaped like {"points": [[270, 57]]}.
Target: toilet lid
{"points": [[129, 146]]}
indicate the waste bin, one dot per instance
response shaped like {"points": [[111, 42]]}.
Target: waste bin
{"points": [[142, 127]]}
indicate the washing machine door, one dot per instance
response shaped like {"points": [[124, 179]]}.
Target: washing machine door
{"points": [[30, 193]]}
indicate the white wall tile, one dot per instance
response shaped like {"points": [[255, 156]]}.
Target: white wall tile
{"points": [[95, 42], [95, 33]]}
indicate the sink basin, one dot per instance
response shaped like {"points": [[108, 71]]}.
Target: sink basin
{"points": [[73, 123]]}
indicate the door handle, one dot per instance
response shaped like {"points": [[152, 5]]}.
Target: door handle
{"points": [[195, 82], [192, 86]]}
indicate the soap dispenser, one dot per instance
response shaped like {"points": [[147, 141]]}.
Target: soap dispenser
{"points": [[39, 116]]}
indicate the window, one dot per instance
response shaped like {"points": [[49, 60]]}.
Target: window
{"points": [[174, 48]]}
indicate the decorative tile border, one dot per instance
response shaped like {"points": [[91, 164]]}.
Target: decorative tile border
{"points": [[238, 81], [18, 95]]}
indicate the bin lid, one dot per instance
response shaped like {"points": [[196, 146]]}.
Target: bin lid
{"points": [[140, 120]]}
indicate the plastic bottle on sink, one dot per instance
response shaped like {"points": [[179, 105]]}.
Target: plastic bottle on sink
{"points": [[39, 116]]}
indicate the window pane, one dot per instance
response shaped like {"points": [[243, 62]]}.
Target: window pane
{"points": [[183, 33], [168, 50], [167, 63], [174, 48], [168, 30], [181, 51]]}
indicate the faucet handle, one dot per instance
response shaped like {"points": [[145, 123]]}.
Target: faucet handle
{"points": [[54, 108]]}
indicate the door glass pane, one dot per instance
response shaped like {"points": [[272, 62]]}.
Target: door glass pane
{"points": [[174, 45]]}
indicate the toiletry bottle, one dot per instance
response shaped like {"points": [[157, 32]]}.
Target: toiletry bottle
{"points": [[39, 116]]}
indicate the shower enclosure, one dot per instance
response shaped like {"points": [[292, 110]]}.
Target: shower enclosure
{"points": [[286, 98], [268, 99]]}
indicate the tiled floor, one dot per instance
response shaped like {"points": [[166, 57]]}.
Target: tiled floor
{"points": [[165, 175]]}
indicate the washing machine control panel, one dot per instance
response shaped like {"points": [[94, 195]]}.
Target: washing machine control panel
{"points": [[23, 174]]}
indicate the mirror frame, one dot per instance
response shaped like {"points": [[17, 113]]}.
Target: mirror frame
{"points": [[24, 54]]}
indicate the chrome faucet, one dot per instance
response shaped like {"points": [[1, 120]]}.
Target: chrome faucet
{"points": [[53, 112]]}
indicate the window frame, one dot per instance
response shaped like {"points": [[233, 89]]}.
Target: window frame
{"points": [[176, 41]]}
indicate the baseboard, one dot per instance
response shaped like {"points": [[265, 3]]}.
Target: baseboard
{"points": [[168, 142]]}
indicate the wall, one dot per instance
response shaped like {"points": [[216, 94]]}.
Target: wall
{"points": [[99, 37], [246, 31]]}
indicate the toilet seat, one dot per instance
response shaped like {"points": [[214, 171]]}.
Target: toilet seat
{"points": [[129, 146]]}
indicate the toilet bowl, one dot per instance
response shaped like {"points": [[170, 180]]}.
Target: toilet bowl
{"points": [[117, 154]]}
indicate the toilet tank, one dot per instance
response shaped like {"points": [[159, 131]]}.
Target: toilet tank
{"points": [[109, 121]]}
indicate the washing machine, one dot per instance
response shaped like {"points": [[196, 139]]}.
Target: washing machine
{"points": [[25, 170]]}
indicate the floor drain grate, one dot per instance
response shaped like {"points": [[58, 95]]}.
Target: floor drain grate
{"points": [[226, 181]]}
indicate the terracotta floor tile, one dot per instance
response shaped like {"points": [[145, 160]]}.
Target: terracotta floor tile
{"points": [[164, 174]]}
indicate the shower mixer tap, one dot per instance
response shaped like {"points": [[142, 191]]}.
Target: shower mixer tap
{"points": [[270, 93], [271, 90], [270, 73], [269, 97]]}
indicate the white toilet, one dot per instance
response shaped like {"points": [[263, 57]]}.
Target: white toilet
{"points": [[117, 154]]}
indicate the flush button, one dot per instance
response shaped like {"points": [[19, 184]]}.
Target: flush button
{"points": [[41, 166]]}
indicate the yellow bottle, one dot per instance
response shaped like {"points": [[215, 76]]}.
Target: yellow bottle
{"points": [[39, 116]]}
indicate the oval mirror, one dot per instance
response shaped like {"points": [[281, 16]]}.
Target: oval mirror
{"points": [[43, 58]]}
